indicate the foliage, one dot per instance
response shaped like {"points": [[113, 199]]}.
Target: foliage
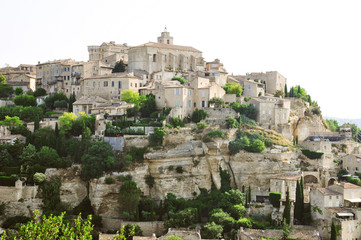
{"points": [[60, 104], [244, 222], [176, 122], [174, 237], [237, 211], [279, 93], [247, 110], [147, 209], [47, 156], [18, 91], [97, 159], [233, 88], [5, 89], [109, 180], [312, 154], [198, 115], [26, 114], [149, 180], [257, 146], [55, 227], [268, 142], [129, 196], [238, 144], [333, 232], [287, 210], [147, 105], [275, 198], [333, 125], [130, 96], [25, 100], [182, 80], [2, 208], [12, 221], [50, 101], [179, 169], [119, 67], [39, 177], [39, 92], [218, 102], [2, 79], [66, 122], [156, 138], [212, 231], [222, 218], [51, 197], [201, 125], [11, 122], [232, 122], [299, 204], [225, 180], [182, 218], [216, 134]]}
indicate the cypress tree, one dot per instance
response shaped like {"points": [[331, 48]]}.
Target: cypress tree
{"points": [[249, 194], [287, 210], [302, 199], [297, 209], [291, 92], [286, 91], [36, 123], [299, 89], [72, 99], [56, 130], [243, 189], [333, 232]]}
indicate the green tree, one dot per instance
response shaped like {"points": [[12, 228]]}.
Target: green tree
{"points": [[54, 227], [119, 67], [96, 160], [130, 96], [333, 231], [298, 208], [287, 209], [5, 158], [233, 88], [11, 122], [5, 90], [2, 79], [129, 196], [66, 122], [148, 105], [18, 91], [257, 146], [183, 218], [222, 218], [156, 138], [199, 115], [25, 100], [232, 122], [36, 123], [47, 156], [72, 99], [212, 231], [286, 91], [39, 92], [28, 155]]}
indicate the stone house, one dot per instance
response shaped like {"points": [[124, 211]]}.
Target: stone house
{"points": [[271, 111], [25, 81], [215, 72], [324, 198], [11, 139], [280, 182], [109, 53], [273, 79], [352, 163], [351, 193], [110, 86], [252, 88], [23, 69], [164, 56]]}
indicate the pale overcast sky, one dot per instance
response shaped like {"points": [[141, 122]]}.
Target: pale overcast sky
{"points": [[314, 43]]}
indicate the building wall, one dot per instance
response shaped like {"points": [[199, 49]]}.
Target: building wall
{"points": [[321, 146], [351, 163], [13, 194], [280, 185]]}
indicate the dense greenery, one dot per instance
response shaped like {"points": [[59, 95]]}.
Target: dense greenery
{"points": [[119, 67], [198, 115], [333, 125], [287, 209], [312, 154], [275, 198], [251, 142], [233, 88], [182, 80], [56, 98], [129, 197], [232, 122], [218, 102], [27, 114], [247, 110], [5, 89], [25, 100]]}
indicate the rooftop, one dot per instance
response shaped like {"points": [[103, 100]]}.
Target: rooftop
{"points": [[168, 46], [327, 191], [90, 100]]}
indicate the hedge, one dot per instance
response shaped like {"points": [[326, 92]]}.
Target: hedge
{"points": [[274, 198], [11, 170], [7, 181], [311, 154]]}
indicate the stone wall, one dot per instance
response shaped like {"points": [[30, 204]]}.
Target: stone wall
{"points": [[220, 113], [135, 141], [25, 208], [230, 98], [117, 143], [13, 194], [148, 228], [184, 234]]}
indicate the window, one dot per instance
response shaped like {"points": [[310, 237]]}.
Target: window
{"points": [[112, 83], [167, 41], [336, 197], [119, 84], [136, 85], [177, 103], [87, 85], [203, 93], [189, 103], [276, 183], [330, 197], [131, 84], [356, 168], [177, 91], [64, 77], [189, 92], [154, 57], [195, 104], [347, 168], [105, 83], [93, 84]]}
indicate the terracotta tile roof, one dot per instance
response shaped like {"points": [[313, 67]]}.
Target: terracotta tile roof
{"points": [[113, 75], [90, 100], [169, 46], [347, 185]]}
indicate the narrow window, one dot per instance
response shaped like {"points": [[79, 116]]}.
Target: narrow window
{"points": [[154, 57]]}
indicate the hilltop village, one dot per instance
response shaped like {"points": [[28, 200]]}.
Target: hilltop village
{"points": [[157, 141]]}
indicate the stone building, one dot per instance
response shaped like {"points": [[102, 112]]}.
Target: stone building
{"points": [[271, 111], [273, 80], [252, 88], [215, 72], [280, 182], [25, 81], [23, 69], [109, 53], [163, 56], [183, 98], [352, 163], [110, 86]]}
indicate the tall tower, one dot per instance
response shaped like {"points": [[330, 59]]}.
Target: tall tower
{"points": [[165, 37]]}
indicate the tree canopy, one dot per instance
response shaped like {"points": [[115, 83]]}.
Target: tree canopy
{"points": [[233, 88], [119, 67]]}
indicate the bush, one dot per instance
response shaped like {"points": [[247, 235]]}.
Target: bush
{"points": [[257, 146], [18, 91], [244, 222], [179, 169], [39, 177], [174, 238], [268, 142], [199, 115], [39, 92], [212, 231], [274, 198], [182, 80], [2, 208], [12, 221], [149, 180], [123, 178], [216, 134], [218, 102], [168, 125], [156, 138], [312, 154], [60, 104], [222, 218], [232, 122], [109, 180], [25, 100], [233, 88], [176, 122], [201, 125]]}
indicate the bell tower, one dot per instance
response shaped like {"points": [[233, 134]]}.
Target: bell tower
{"points": [[165, 37]]}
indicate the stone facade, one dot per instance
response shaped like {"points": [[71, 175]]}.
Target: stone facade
{"points": [[109, 53], [352, 163]]}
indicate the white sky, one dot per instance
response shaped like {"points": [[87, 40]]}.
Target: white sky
{"points": [[316, 44]]}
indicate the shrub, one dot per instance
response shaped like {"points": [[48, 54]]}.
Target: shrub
{"points": [[179, 169], [237, 211], [168, 125], [233, 88], [268, 142], [216, 134], [201, 125], [218, 102], [199, 115], [12, 221], [244, 222], [25, 100], [182, 80], [39, 92], [2, 208], [274, 198], [232, 122], [246, 99], [156, 138], [39, 177], [176, 122], [109, 180], [123, 178], [212, 231], [311, 154], [222, 218], [18, 91], [149, 180], [257, 146], [60, 104], [174, 238]]}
